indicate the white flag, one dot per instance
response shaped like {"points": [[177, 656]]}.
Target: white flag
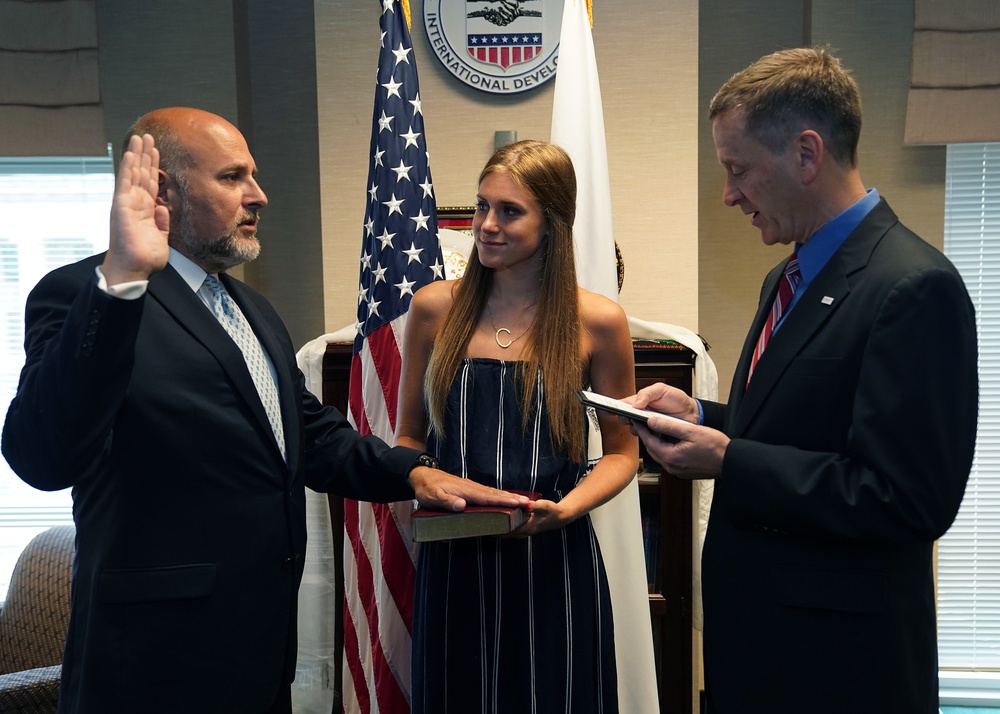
{"points": [[578, 127]]}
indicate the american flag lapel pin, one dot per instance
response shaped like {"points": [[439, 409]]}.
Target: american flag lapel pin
{"points": [[827, 300]]}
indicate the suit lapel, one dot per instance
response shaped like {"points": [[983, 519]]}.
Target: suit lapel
{"points": [[169, 289], [824, 296]]}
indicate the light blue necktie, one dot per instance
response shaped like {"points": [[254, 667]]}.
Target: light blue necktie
{"points": [[235, 323]]}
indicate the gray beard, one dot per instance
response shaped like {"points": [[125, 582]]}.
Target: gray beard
{"points": [[220, 253]]}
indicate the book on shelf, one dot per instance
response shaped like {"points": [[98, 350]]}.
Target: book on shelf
{"points": [[430, 524]]}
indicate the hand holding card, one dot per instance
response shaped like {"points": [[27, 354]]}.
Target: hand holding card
{"points": [[617, 406]]}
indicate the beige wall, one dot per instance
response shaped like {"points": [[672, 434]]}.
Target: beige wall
{"points": [[647, 58]]}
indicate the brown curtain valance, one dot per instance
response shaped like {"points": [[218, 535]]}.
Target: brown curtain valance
{"points": [[50, 98], [954, 72]]}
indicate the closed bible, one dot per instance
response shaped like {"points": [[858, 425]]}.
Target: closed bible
{"points": [[431, 524]]}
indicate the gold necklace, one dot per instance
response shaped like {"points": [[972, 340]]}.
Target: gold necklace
{"points": [[498, 330]]}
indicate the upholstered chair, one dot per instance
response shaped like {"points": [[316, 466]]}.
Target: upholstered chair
{"points": [[33, 623]]}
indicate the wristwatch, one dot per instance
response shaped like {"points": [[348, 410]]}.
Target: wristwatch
{"points": [[428, 461]]}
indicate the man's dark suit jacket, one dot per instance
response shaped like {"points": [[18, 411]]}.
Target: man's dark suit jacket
{"points": [[190, 526], [849, 456]]}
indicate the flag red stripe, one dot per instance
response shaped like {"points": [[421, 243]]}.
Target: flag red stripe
{"points": [[352, 654], [387, 691], [385, 355], [354, 403], [397, 566]]}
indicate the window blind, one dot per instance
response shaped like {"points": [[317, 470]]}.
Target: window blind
{"points": [[969, 554], [55, 211]]}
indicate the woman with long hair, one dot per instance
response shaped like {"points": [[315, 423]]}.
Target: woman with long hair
{"points": [[491, 366]]}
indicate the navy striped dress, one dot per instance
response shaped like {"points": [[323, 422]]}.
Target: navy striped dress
{"points": [[510, 625]]}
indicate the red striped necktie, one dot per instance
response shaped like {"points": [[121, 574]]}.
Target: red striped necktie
{"points": [[789, 282]]}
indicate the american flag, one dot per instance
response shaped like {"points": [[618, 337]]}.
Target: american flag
{"points": [[400, 253]]}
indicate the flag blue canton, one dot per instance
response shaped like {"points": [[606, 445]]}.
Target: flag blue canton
{"points": [[400, 249]]}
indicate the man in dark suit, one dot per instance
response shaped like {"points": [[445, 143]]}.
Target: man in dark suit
{"points": [[188, 493], [847, 441]]}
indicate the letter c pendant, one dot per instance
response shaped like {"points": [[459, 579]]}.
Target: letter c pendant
{"points": [[509, 342]]}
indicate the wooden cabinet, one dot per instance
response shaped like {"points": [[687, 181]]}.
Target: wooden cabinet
{"points": [[665, 503]]}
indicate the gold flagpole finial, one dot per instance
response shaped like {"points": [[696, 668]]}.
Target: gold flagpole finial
{"points": [[406, 13]]}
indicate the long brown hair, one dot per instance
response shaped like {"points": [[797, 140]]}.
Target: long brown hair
{"points": [[546, 172]]}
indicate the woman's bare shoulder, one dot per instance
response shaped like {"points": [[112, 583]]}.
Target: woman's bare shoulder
{"points": [[600, 314], [434, 299]]}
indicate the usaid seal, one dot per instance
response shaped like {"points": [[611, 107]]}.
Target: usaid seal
{"points": [[497, 46]]}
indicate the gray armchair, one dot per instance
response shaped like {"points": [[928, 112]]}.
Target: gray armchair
{"points": [[33, 622]]}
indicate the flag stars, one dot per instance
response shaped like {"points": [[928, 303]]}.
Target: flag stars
{"points": [[394, 205], [385, 123], [386, 238], [401, 53], [393, 88], [386, 282], [413, 253], [405, 287], [402, 171], [421, 220], [411, 137]]}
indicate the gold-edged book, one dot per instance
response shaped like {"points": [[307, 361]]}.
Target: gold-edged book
{"points": [[431, 524]]}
